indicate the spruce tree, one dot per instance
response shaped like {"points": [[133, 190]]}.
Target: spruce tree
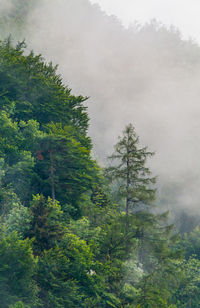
{"points": [[135, 181]]}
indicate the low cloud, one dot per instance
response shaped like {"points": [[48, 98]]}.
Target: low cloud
{"points": [[144, 75]]}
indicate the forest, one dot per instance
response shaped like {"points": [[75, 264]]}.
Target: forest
{"points": [[74, 234], [79, 229]]}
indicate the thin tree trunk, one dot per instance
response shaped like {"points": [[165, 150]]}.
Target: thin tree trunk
{"points": [[127, 196], [52, 175]]}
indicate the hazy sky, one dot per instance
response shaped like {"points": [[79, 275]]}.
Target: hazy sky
{"points": [[183, 14]]}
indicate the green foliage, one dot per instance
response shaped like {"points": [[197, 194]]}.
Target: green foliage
{"points": [[45, 225], [36, 92], [67, 274], [86, 231], [64, 242], [99, 197], [191, 243], [18, 161], [130, 170], [18, 219], [17, 270], [64, 166], [19, 305], [42, 131], [187, 295]]}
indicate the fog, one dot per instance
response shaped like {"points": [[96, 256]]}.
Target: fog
{"points": [[145, 75], [5, 6]]}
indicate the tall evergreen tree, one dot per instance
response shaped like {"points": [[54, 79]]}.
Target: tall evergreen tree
{"points": [[135, 181]]}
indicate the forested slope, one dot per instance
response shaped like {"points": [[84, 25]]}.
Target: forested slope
{"points": [[146, 74], [72, 234]]}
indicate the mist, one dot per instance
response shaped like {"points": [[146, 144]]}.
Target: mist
{"points": [[6, 6], [147, 75]]}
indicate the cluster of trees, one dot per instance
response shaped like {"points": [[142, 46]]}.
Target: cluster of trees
{"points": [[72, 234]]}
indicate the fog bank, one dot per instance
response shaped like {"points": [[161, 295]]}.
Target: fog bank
{"points": [[144, 75]]}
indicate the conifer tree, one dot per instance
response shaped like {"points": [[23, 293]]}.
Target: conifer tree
{"points": [[46, 226], [135, 181]]}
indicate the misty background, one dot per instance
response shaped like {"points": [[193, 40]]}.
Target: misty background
{"points": [[147, 75]]}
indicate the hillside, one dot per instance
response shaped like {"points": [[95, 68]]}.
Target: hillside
{"points": [[72, 234], [146, 75]]}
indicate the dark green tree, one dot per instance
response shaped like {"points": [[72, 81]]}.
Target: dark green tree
{"points": [[135, 181], [17, 270], [46, 224], [135, 184], [43, 132], [64, 167], [68, 275]]}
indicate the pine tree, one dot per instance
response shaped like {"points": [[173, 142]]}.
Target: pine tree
{"points": [[135, 181]]}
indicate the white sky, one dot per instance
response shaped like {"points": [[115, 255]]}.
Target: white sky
{"points": [[183, 14]]}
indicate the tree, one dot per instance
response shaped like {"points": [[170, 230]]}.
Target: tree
{"points": [[135, 181], [43, 132], [17, 271], [45, 226], [34, 91], [64, 167], [67, 275]]}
